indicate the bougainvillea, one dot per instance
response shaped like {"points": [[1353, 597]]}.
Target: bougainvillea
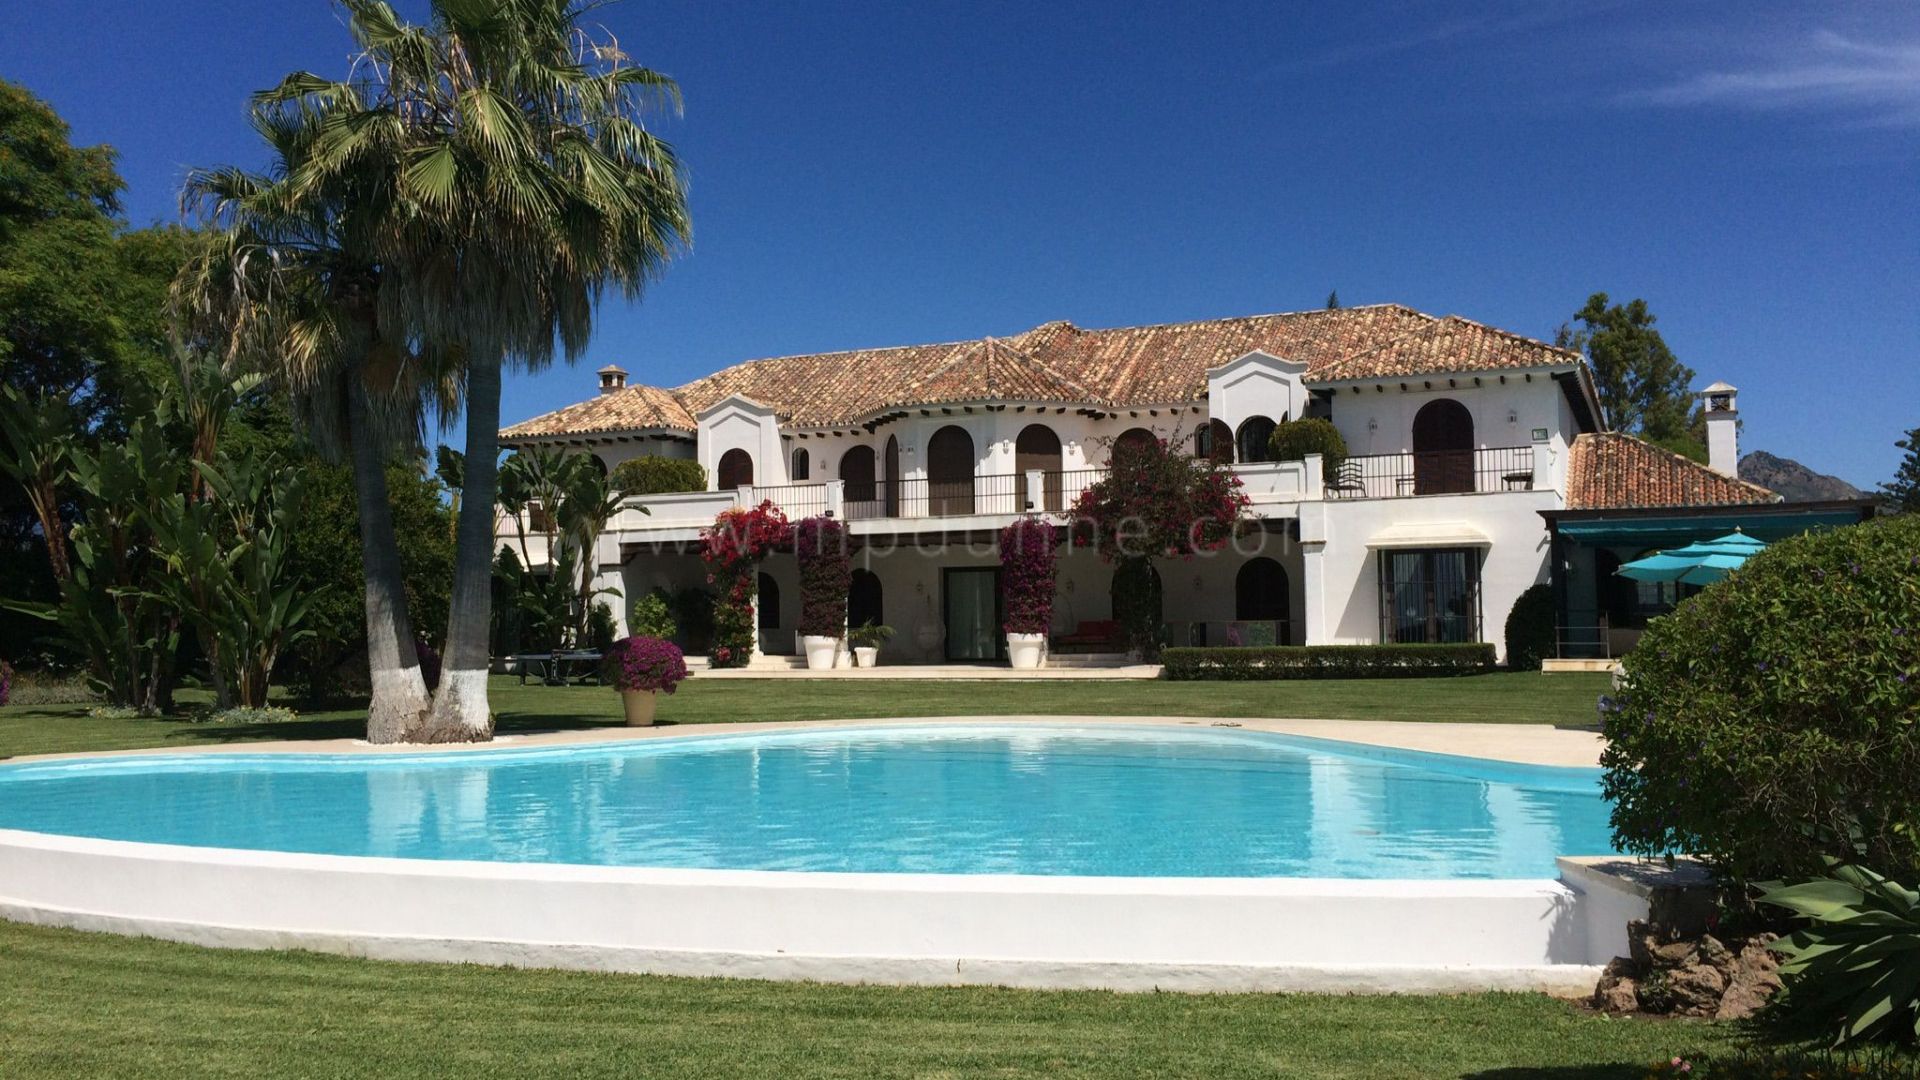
{"points": [[732, 548], [6, 683], [826, 576], [1027, 570], [1155, 502], [643, 663]]}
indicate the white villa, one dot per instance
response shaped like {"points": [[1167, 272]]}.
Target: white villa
{"points": [[1480, 467]]}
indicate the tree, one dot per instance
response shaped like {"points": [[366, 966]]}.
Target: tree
{"points": [[1644, 389], [523, 184], [1333, 300], [1902, 493], [1154, 503]]}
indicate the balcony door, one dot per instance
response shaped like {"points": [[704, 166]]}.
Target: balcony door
{"points": [[1430, 596], [950, 465], [856, 472], [1039, 448], [1442, 448]]}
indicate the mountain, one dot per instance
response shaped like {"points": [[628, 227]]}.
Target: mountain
{"points": [[1794, 481]]}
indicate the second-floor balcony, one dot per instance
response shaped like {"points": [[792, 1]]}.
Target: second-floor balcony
{"points": [[1435, 472]]}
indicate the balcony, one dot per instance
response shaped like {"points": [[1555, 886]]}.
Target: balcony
{"points": [[1440, 472]]}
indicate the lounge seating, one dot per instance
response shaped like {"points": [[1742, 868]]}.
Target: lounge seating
{"points": [[1095, 633]]}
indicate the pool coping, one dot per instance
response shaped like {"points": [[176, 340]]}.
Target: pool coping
{"points": [[1518, 744]]}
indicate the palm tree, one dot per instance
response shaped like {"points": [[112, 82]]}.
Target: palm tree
{"points": [[590, 502], [527, 184], [291, 282]]}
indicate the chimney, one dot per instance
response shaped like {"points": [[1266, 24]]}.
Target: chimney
{"points": [[612, 378], [1723, 428]]}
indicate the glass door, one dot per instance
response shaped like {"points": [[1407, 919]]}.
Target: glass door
{"points": [[972, 603]]}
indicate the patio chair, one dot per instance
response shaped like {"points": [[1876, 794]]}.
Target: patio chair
{"points": [[1348, 478]]}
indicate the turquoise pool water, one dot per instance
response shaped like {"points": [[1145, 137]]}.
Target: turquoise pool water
{"points": [[985, 799]]}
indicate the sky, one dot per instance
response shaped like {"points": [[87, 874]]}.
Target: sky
{"points": [[893, 173]]}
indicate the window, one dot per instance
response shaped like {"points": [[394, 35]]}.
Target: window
{"points": [[1214, 441], [1430, 596], [802, 465], [1254, 439], [736, 470]]}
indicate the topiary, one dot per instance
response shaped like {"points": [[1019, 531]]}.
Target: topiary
{"points": [[1027, 571], [826, 576], [1530, 629], [1773, 720], [655, 475], [652, 616], [1293, 440]]}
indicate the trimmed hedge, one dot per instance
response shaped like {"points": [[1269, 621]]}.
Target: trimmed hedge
{"points": [[1325, 661], [655, 475], [1530, 629], [1293, 440]]}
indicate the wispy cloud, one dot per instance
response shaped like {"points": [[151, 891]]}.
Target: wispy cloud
{"points": [[1875, 82]]}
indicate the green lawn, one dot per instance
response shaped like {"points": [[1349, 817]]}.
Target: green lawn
{"points": [[1516, 698], [76, 1004]]}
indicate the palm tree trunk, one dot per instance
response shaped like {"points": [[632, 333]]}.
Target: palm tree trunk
{"points": [[460, 712], [399, 700]]}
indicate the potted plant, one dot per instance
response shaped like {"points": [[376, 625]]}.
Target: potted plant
{"points": [[642, 668], [1027, 571], [867, 640], [826, 577]]}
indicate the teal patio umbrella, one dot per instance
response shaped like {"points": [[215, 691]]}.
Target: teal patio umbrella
{"points": [[1702, 563]]}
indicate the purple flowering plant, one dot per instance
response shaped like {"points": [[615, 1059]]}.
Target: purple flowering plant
{"points": [[1027, 571], [643, 663]]}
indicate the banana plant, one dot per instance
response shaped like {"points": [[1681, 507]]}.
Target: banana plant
{"points": [[1855, 968]]}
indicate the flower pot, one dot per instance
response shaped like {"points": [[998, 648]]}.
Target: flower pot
{"points": [[866, 656], [821, 651], [1026, 651], [640, 705]]}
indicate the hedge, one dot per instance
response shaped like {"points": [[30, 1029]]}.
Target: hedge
{"points": [[655, 475], [1325, 661]]}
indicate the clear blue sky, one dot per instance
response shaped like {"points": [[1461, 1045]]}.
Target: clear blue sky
{"points": [[870, 174]]}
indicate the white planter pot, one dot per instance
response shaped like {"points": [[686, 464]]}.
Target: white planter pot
{"points": [[640, 705], [866, 656], [1026, 651], [821, 652]]}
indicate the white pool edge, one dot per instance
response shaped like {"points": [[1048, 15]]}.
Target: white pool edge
{"points": [[1126, 934]]}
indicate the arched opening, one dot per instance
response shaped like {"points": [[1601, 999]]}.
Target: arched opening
{"points": [[864, 607], [802, 465], [1253, 442], [767, 603], [893, 477], [1214, 441], [1260, 596], [950, 472], [736, 470], [1138, 438], [856, 472], [1037, 447], [1442, 448]]}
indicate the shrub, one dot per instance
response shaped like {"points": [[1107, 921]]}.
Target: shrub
{"points": [[1855, 970], [1773, 720], [271, 714], [1027, 570], [652, 616], [50, 688], [643, 663], [732, 548], [655, 475], [1326, 661], [870, 635], [601, 627], [1293, 440], [826, 576], [1530, 629], [6, 683]]}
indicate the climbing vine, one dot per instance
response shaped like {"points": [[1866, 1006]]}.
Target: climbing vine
{"points": [[732, 548]]}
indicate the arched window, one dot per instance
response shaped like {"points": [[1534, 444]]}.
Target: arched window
{"points": [[1442, 448], [736, 470], [1037, 447], [864, 607], [1252, 442], [802, 465], [1214, 441], [767, 604], [892, 481], [950, 465], [1138, 436], [856, 471], [1260, 595]]}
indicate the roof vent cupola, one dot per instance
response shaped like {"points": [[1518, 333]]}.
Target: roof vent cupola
{"points": [[612, 377], [1719, 403]]}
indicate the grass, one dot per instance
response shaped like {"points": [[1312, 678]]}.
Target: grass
{"points": [[75, 1004], [1504, 697]]}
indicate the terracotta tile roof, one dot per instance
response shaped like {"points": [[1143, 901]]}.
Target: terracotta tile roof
{"points": [[1610, 471], [628, 409], [1057, 361]]}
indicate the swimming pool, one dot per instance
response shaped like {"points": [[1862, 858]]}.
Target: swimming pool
{"points": [[1052, 800]]}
